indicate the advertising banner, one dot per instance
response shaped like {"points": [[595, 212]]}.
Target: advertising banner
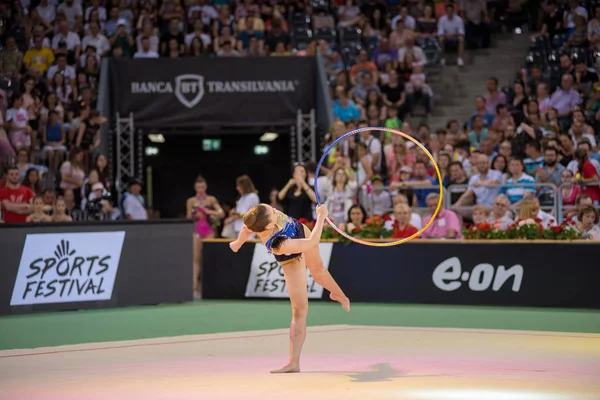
{"points": [[53, 267], [192, 92], [61, 268], [469, 273], [266, 277]]}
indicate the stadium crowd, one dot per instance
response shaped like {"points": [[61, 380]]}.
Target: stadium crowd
{"points": [[541, 129]]}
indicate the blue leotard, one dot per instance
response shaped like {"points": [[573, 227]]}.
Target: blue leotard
{"points": [[290, 229]]}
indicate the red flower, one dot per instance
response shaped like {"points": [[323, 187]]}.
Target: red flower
{"points": [[356, 230], [377, 218], [570, 218], [556, 229], [369, 221], [471, 228], [303, 221], [537, 220], [484, 227], [387, 217]]}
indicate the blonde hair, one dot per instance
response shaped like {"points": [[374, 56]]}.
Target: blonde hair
{"points": [[402, 207], [527, 209], [483, 209]]}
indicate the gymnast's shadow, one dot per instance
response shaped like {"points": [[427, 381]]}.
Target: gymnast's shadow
{"points": [[382, 372]]}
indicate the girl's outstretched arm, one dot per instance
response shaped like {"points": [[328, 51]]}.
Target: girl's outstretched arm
{"points": [[294, 246], [244, 235]]}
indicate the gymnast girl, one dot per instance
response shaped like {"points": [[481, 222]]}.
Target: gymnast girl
{"points": [[295, 247]]}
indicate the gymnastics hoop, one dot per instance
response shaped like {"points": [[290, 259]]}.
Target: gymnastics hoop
{"points": [[404, 135]]}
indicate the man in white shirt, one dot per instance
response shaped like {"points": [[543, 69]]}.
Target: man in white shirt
{"points": [[73, 12], [451, 33], [97, 40], [96, 6], [62, 67], [409, 47], [145, 51], [46, 11], [133, 205], [148, 32], [199, 33], [409, 22], [68, 37], [207, 12]]}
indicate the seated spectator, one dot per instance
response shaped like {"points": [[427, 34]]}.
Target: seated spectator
{"points": [[11, 58], [405, 19], [97, 40], [487, 148], [543, 98], [32, 181], [588, 225], [198, 32], [361, 90], [277, 34], [480, 215], [477, 30], [398, 36], [500, 211], [383, 54], [481, 110], [451, 33], [54, 139], [534, 159], [340, 199], [446, 224], [570, 192], [362, 67], [348, 14], [517, 177], [38, 59], [458, 176], [66, 37], [494, 97], [418, 88], [564, 99], [551, 172], [478, 132], [586, 174], [332, 59], [477, 192], [422, 180], [416, 51], [503, 118], [532, 210], [393, 93], [280, 50], [578, 35], [401, 226], [578, 134], [415, 218], [357, 218], [134, 206], [17, 122], [123, 40], [343, 107], [427, 24], [59, 212], [145, 51], [379, 199]]}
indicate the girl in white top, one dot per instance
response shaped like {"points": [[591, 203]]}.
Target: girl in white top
{"points": [[248, 199], [341, 197], [365, 160]]}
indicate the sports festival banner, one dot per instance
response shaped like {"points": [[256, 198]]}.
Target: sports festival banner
{"points": [[193, 92], [266, 277], [55, 266], [62, 268]]}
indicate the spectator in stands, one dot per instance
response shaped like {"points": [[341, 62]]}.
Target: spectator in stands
{"points": [[54, 138], [534, 159], [478, 132], [494, 97], [17, 122], [297, 196], [481, 110], [569, 191], [380, 199], [417, 52], [499, 215], [480, 215], [458, 176], [514, 188], [15, 199], [374, 148], [363, 66], [477, 192], [503, 118], [357, 217], [549, 172], [145, 51], [340, 199], [277, 34], [72, 174], [59, 214], [96, 40], [477, 29], [578, 134], [451, 33], [398, 36], [69, 39], [577, 36], [586, 174], [408, 21], [564, 99], [134, 206], [32, 181], [11, 58], [384, 54], [343, 107], [393, 93], [532, 206], [348, 14], [427, 24], [418, 88], [420, 182], [588, 217], [446, 224], [38, 214], [401, 226], [38, 59]]}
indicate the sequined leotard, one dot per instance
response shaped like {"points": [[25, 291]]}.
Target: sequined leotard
{"points": [[289, 228]]}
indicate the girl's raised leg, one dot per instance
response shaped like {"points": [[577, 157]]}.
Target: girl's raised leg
{"points": [[322, 276], [295, 280]]}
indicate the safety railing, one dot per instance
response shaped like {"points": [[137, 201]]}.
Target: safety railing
{"points": [[365, 197], [562, 207]]}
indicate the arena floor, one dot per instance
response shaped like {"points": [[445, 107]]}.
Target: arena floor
{"points": [[340, 361]]}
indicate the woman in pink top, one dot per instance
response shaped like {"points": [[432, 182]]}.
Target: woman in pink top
{"points": [[569, 191], [446, 224]]}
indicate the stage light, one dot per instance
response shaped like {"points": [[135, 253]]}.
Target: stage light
{"points": [[156, 138], [269, 137], [151, 151], [261, 150]]}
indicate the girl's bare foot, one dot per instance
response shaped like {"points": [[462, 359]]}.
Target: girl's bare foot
{"points": [[290, 368], [344, 301]]}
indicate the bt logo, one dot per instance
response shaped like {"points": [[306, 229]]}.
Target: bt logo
{"points": [[447, 274]]}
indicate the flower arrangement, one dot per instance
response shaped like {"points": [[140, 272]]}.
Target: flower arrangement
{"points": [[530, 229], [374, 228]]}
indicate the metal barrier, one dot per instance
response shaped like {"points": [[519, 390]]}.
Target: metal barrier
{"points": [[561, 208], [366, 200]]}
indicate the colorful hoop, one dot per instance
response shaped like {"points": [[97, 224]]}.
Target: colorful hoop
{"points": [[404, 135]]}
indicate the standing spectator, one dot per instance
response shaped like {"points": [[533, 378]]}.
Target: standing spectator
{"points": [[248, 199], [549, 172], [477, 192], [72, 174], [133, 204], [587, 174], [481, 110], [11, 58], [59, 214], [297, 196], [38, 214], [122, 39], [451, 33], [15, 199], [478, 23], [446, 224], [564, 99], [340, 199]]}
